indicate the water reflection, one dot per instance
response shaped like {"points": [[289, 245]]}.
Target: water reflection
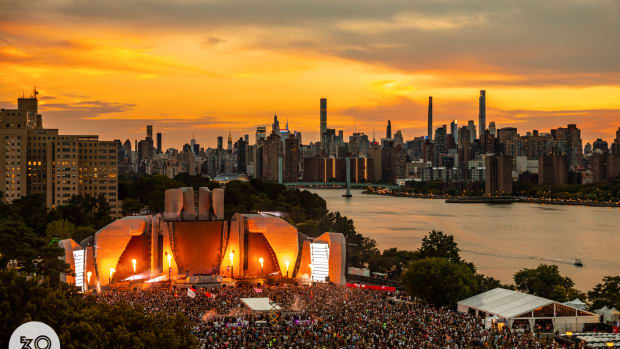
{"points": [[499, 239]]}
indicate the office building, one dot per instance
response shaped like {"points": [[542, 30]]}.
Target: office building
{"points": [[388, 130], [261, 134]]}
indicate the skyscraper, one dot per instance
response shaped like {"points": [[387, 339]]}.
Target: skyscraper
{"points": [[323, 115], [615, 147], [454, 130], [159, 142], [149, 131], [472, 131], [388, 130], [261, 134], [492, 129], [482, 113], [275, 127], [430, 118]]}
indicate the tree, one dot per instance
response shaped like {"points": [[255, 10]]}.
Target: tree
{"points": [[438, 281], [606, 293], [360, 249], [544, 281], [438, 244], [392, 261], [60, 229], [81, 322], [81, 233], [29, 252], [131, 206]]}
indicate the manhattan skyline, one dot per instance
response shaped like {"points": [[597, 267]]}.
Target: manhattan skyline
{"points": [[207, 67]]}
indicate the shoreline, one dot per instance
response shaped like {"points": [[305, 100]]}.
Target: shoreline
{"points": [[493, 200]]}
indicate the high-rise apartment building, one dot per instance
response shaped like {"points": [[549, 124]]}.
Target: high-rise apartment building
{"points": [[430, 118], [292, 158], [552, 170], [454, 130], [323, 123], [472, 131], [567, 140], [159, 145], [272, 151], [482, 113], [40, 161], [492, 129], [149, 131], [498, 175], [615, 146]]}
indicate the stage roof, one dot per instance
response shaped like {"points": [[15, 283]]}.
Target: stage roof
{"points": [[260, 304], [505, 303]]}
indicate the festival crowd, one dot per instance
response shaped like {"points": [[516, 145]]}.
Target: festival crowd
{"points": [[325, 316]]}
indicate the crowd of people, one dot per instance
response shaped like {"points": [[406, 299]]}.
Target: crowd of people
{"points": [[323, 315]]}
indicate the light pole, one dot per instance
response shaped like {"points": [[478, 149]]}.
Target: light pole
{"points": [[169, 257], [261, 260], [286, 263], [231, 255], [112, 270], [88, 274], [133, 263], [311, 272]]}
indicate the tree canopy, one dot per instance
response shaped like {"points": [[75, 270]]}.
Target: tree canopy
{"points": [[80, 322], [545, 281], [606, 293], [438, 281]]}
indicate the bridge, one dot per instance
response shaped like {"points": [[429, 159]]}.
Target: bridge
{"points": [[339, 185], [346, 184]]}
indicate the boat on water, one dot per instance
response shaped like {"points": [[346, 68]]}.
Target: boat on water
{"points": [[578, 262]]}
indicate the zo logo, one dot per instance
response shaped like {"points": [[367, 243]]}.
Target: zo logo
{"points": [[34, 335]]}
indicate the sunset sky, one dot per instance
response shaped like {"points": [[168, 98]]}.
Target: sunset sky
{"points": [[204, 67]]}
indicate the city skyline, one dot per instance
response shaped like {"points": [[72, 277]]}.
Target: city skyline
{"points": [[232, 68]]}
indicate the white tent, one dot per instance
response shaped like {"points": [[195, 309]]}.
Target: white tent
{"points": [[609, 315], [260, 304], [512, 305], [576, 303]]}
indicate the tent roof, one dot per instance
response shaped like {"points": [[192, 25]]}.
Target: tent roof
{"points": [[505, 303], [260, 304], [576, 301]]}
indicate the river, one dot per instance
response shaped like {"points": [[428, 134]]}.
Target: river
{"points": [[499, 239]]}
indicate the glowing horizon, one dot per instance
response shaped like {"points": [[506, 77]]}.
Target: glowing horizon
{"points": [[205, 67]]}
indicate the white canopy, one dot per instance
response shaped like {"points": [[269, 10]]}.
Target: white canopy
{"points": [[506, 303], [260, 304], [576, 303]]}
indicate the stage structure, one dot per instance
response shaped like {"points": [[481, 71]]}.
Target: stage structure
{"points": [[191, 237]]}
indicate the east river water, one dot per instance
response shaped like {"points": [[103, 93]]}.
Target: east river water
{"points": [[499, 239]]}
